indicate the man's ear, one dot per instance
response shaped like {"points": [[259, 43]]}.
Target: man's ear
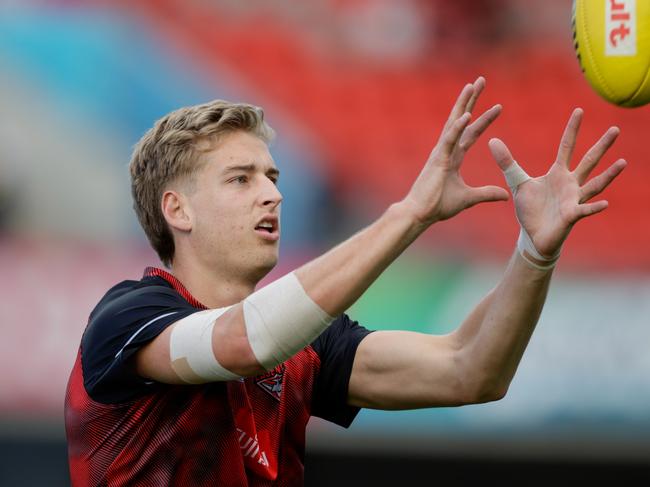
{"points": [[176, 210]]}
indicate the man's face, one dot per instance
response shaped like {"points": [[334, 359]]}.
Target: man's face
{"points": [[235, 206]]}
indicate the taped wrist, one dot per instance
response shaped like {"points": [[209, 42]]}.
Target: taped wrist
{"points": [[281, 319], [526, 248], [515, 177]]}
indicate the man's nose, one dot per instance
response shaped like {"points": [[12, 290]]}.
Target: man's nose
{"points": [[271, 195]]}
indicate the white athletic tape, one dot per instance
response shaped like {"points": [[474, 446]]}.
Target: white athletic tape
{"points": [[515, 176], [525, 245], [281, 319], [190, 347]]}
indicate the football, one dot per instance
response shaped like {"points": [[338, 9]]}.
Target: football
{"points": [[612, 42]]}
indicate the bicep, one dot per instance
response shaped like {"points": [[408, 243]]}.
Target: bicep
{"points": [[230, 348], [153, 361], [407, 370]]}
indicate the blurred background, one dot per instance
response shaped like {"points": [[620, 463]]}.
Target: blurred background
{"points": [[358, 91]]}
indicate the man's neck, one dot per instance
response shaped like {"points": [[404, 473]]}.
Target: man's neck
{"points": [[211, 288]]}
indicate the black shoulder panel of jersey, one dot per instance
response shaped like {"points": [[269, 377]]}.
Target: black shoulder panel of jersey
{"points": [[336, 348], [129, 316]]}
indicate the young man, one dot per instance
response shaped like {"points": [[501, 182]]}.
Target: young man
{"points": [[191, 377]]}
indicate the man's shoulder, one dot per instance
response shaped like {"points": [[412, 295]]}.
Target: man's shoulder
{"points": [[147, 291], [115, 292], [129, 315], [129, 302]]}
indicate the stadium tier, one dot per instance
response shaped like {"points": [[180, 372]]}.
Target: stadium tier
{"points": [[375, 124]]}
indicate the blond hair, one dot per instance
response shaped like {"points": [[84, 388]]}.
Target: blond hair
{"points": [[171, 150]]}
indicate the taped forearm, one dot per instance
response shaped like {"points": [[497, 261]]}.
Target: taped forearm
{"points": [[280, 319]]}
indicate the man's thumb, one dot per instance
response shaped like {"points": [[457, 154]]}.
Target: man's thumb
{"points": [[501, 153]]}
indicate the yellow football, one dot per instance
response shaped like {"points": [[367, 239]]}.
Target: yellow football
{"points": [[612, 41]]}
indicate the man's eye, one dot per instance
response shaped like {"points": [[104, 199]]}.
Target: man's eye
{"points": [[241, 179]]}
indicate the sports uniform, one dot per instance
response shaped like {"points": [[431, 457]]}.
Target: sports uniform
{"points": [[125, 430]]}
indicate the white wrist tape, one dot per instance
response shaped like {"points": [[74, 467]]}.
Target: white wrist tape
{"points": [[281, 319], [525, 245], [515, 176], [190, 347]]}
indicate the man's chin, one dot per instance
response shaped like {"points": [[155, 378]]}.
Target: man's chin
{"points": [[264, 266], [271, 263]]}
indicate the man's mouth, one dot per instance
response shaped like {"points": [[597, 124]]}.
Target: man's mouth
{"points": [[266, 226], [269, 228]]}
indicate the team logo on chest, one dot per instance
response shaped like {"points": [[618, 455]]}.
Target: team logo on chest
{"points": [[271, 382]]}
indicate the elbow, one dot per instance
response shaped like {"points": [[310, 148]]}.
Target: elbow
{"points": [[477, 382], [490, 392], [235, 354], [474, 390], [482, 386], [240, 359], [481, 393]]}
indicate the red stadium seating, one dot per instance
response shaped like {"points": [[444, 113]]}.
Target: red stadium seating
{"points": [[375, 124]]}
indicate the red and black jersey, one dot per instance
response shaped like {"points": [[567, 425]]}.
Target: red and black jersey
{"points": [[123, 430]]}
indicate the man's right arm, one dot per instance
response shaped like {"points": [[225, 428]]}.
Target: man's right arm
{"points": [[337, 279]]}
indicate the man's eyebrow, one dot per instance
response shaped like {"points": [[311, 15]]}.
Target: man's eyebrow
{"points": [[272, 171], [240, 167]]}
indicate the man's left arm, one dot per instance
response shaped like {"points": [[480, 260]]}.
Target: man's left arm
{"points": [[476, 362]]}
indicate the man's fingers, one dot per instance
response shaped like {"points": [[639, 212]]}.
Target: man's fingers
{"points": [[459, 107], [593, 155], [450, 137], [479, 85], [600, 182], [589, 209], [485, 194], [569, 137], [476, 129], [464, 103]]}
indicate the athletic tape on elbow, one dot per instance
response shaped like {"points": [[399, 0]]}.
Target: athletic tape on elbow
{"points": [[281, 319], [190, 349]]}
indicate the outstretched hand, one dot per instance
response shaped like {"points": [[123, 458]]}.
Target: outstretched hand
{"points": [[547, 207], [439, 192]]}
